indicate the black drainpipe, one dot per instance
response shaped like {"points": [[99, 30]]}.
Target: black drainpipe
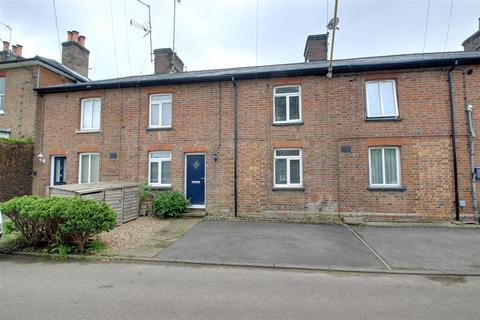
{"points": [[235, 142], [454, 138]]}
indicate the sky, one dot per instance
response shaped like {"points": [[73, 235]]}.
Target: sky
{"points": [[214, 34]]}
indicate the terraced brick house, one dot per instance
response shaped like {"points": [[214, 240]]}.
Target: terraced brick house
{"points": [[20, 106], [386, 138]]}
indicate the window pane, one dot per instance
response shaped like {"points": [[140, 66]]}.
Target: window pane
{"points": [[167, 114], [94, 166], [376, 166], [2, 85], [4, 134], [295, 171], [155, 115], [294, 108], [160, 98], [280, 171], [287, 90], [388, 98], [87, 114], [96, 114], [160, 154], [280, 108], [153, 172], [166, 172], [84, 168], [2, 103], [283, 153], [373, 100], [391, 166]]}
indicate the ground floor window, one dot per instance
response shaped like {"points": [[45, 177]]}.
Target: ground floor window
{"points": [[384, 165], [160, 173], [89, 167], [288, 168]]}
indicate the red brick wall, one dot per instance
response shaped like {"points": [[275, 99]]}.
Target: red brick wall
{"points": [[333, 115]]}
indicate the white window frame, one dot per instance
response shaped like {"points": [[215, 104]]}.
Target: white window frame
{"points": [[383, 115], [160, 113], [89, 154], [288, 158], [159, 161], [81, 114], [287, 110], [384, 185], [2, 95]]}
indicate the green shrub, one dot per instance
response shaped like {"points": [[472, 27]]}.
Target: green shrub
{"points": [[170, 204], [8, 227], [84, 218], [59, 221], [29, 221]]}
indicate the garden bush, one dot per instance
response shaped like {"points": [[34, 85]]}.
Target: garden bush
{"points": [[59, 221], [170, 204]]}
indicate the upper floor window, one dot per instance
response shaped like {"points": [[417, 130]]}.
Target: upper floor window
{"points": [[287, 104], [288, 168], [89, 168], [160, 111], [381, 99], [159, 169], [91, 110], [2, 95], [384, 165]]}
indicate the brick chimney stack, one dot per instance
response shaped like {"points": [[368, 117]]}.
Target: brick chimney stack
{"points": [[17, 50], [164, 59], [316, 48], [74, 54], [472, 43]]}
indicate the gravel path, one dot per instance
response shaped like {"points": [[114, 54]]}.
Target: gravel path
{"points": [[131, 234]]}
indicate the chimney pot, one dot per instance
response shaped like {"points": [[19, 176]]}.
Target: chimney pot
{"points": [[81, 40], [6, 45], [316, 48], [14, 50], [74, 36], [69, 36]]}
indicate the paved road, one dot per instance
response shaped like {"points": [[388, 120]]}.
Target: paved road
{"points": [[32, 290], [332, 246]]}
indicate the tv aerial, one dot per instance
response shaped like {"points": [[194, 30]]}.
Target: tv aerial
{"points": [[333, 23], [146, 27]]}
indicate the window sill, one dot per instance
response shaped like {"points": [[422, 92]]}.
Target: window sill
{"points": [[288, 189], [2, 112], [398, 189], [160, 187], [159, 129], [88, 131], [291, 123], [396, 118]]}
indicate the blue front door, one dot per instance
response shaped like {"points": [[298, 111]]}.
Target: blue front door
{"points": [[59, 170], [195, 179]]}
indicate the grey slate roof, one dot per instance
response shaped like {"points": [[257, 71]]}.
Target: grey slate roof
{"points": [[405, 61], [52, 63]]}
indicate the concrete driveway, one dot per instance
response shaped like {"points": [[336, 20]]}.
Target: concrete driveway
{"points": [[329, 246]]}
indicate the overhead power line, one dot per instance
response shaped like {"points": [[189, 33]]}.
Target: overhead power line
{"points": [[126, 35], [448, 27], [56, 25], [113, 36], [426, 26]]}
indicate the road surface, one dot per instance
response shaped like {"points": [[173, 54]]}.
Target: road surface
{"points": [[47, 290]]}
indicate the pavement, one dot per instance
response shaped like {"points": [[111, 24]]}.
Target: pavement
{"points": [[68, 290], [269, 244]]}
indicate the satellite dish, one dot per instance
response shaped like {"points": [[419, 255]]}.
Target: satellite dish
{"points": [[331, 24]]}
